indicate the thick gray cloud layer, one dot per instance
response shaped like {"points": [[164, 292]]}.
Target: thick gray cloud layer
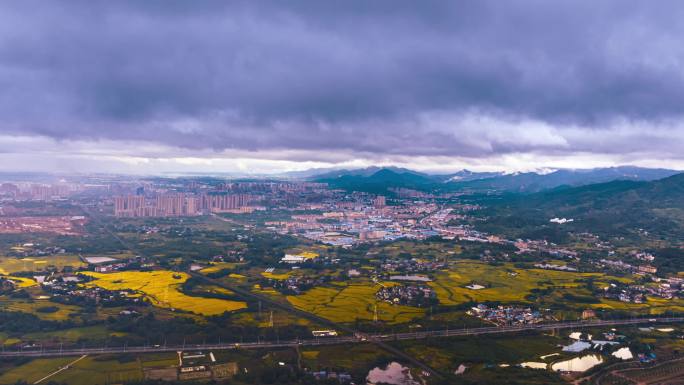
{"points": [[405, 78]]}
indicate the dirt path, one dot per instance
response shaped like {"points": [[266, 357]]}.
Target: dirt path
{"points": [[65, 367]]}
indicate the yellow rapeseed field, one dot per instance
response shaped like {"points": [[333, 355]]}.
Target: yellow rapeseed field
{"points": [[162, 288], [346, 303], [277, 276], [20, 281], [31, 306]]}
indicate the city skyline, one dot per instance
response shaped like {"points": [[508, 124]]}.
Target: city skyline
{"points": [[163, 87]]}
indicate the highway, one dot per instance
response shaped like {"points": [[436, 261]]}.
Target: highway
{"points": [[358, 338], [353, 336], [250, 295]]}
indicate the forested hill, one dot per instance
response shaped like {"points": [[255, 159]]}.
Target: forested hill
{"points": [[619, 208], [379, 180]]}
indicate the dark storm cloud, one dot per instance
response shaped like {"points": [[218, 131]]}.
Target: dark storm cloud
{"points": [[468, 78]]}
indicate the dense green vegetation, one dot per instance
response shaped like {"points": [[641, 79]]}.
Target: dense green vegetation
{"points": [[635, 210]]}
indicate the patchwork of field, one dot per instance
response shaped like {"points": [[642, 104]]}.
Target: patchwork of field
{"points": [[653, 305], [349, 302], [10, 265], [62, 312], [501, 283], [506, 283], [162, 288]]}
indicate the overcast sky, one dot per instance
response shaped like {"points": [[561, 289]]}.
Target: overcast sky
{"points": [[259, 86]]}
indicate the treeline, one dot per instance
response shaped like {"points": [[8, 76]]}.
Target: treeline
{"points": [[179, 330], [19, 323]]}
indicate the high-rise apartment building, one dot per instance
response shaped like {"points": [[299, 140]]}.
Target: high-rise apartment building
{"points": [[129, 206]]}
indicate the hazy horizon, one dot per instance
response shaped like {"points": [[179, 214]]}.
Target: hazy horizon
{"points": [[241, 87]]}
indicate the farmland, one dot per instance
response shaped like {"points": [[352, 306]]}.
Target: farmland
{"points": [[62, 312], [216, 267], [502, 283], [88, 371], [277, 276], [162, 288], [21, 282], [653, 305], [188, 281], [10, 265], [73, 335], [349, 302]]}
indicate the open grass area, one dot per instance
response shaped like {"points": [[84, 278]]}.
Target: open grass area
{"points": [[9, 265], [98, 370], [349, 302], [34, 370], [162, 288], [158, 360], [358, 359]]}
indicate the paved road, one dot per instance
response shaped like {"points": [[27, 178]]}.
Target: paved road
{"points": [[365, 338], [379, 340], [248, 294]]}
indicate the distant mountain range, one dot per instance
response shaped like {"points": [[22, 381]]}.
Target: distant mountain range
{"points": [[534, 182], [379, 180]]}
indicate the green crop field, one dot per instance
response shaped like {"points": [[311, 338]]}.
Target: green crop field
{"points": [[98, 332], [98, 370], [502, 283], [34, 370], [9, 265]]}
